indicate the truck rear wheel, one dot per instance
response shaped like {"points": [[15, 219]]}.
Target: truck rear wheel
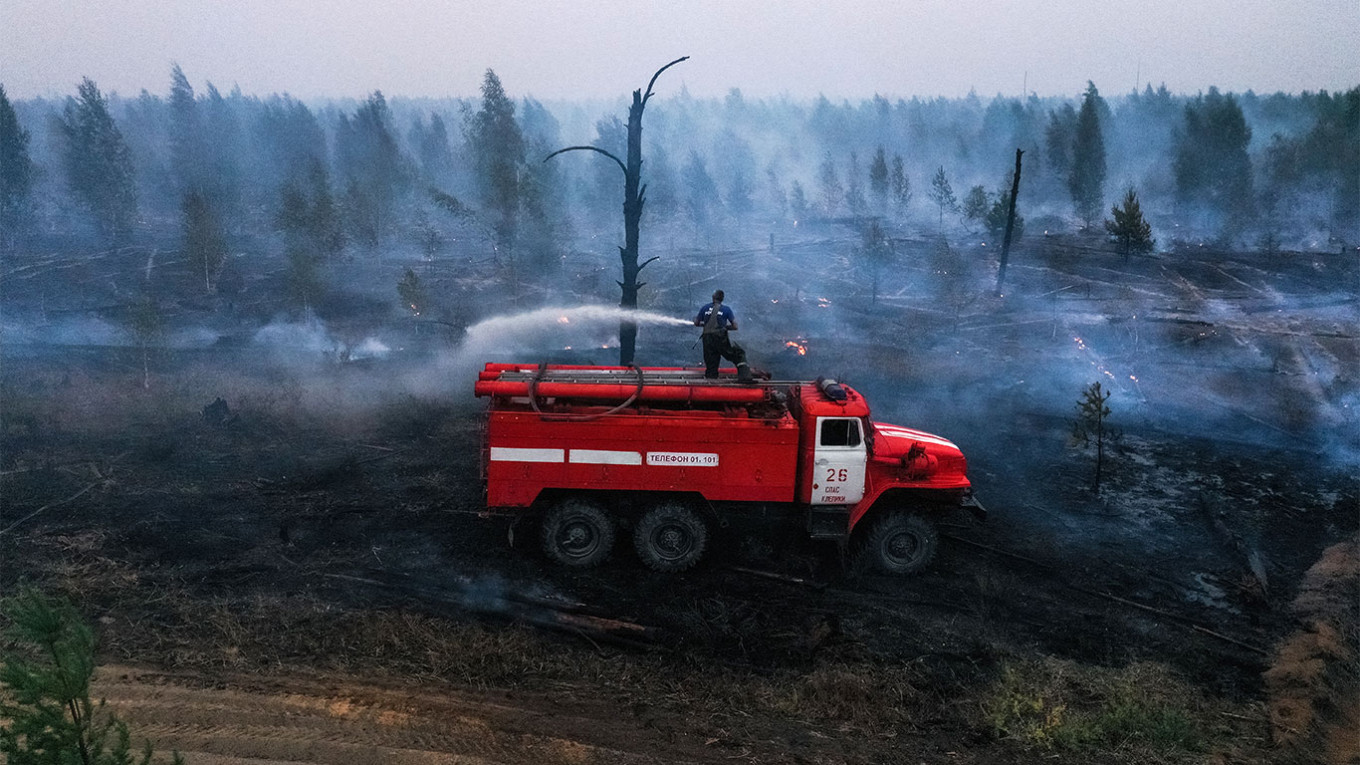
{"points": [[578, 533], [901, 543], [670, 537]]}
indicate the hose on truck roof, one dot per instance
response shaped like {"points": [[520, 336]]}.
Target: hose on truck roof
{"points": [[533, 399]]}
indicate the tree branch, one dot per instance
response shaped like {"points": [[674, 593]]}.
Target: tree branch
{"points": [[645, 262], [618, 161], [658, 74]]}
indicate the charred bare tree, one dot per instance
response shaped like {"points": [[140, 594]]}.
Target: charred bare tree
{"points": [[634, 196], [1010, 225]]}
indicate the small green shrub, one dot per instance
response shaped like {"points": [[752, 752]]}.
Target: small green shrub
{"points": [[1061, 706]]}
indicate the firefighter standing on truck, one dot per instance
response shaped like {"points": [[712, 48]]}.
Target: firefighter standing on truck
{"points": [[717, 320]]}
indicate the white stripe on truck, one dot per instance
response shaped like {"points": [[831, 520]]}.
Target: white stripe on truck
{"points": [[914, 435], [507, 454], [604, 457]]}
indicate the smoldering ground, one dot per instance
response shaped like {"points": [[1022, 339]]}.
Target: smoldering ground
{"points": [[339, 464], [1232, 372]]}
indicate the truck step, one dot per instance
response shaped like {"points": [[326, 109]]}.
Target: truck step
{"points": [[828, 523]]}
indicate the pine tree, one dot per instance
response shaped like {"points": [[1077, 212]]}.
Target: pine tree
{"points": [[1087, 179], [739, 193], [942, 194], [204, 240], [222, 154], [999, 213], [498, 149], [733, 157], [1211, 163], [880, 179], [1091, 423], [777, 198], [975, 205], [432, 148], [372, 168], [854, 194], [45, 704], [99, 169], [290, 138], [798, 203], [901, 184], [829, 184], [186, 136], [701, 192], [1059, 137], [16, 171], [876, 251], [1130, 232], [309, 220], [323, 219]]}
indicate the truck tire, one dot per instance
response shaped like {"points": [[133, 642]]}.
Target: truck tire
{"points": [[901, 543], [578, 533], [670, 538]]}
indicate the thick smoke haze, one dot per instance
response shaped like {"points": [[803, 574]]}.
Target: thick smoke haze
{"points": [[857, 238]]}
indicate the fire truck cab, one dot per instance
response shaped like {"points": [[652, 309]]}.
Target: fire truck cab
{"points": [[592, 451]]}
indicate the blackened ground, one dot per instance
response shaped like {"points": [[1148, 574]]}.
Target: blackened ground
{"points": [[331, 523]]}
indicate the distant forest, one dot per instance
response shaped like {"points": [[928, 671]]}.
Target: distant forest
{"points": [[213, 173]]}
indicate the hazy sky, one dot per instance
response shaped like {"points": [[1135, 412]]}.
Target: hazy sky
{"points": [[606, 48]]}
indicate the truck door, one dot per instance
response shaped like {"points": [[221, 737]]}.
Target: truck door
{"points": [[838, 461]]}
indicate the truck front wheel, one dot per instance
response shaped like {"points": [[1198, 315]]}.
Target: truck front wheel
{"points": [[670, 537], [901, 543], [578, 533]]}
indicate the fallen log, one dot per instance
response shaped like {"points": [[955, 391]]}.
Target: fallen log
{"points": [[778, 577], [33, 514], [527, 609]]}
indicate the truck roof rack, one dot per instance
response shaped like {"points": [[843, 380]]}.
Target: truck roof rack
{"points": [[620, 383]]}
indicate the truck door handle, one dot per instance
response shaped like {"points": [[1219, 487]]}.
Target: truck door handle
{"points": [[823, 461]]}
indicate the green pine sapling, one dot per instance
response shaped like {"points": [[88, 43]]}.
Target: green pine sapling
{"points": [[1090, 425], [46, 715]]}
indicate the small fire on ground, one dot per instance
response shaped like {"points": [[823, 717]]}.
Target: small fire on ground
{"points": [[799, 345]]}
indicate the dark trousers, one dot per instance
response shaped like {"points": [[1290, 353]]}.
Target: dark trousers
{"points": [[717, 346]]}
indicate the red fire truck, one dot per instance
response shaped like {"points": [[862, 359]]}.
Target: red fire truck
{"points": [[591, 451]]}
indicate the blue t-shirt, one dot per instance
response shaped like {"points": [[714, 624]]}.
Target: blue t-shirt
{"points": [[725, 317]]}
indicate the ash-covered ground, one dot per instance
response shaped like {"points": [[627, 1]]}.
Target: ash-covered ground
{"points": [[328, 520]]}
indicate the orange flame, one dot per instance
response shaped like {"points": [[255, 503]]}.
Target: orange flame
{"points": [[802, 349]]}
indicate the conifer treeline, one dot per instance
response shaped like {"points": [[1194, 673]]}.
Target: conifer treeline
{"points": [[337, 176]]}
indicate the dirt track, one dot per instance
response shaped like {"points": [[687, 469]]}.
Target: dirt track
{"points": [[328, 720]]}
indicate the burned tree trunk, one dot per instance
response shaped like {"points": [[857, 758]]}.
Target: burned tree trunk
{"points": [[1010, 225], [634, 196]]}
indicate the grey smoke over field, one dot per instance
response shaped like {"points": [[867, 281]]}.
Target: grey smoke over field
{"points": [[819, 218], [95, 331], [310, 338]]}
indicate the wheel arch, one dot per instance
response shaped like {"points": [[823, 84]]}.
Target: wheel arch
{"points": [[931, 503]]}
